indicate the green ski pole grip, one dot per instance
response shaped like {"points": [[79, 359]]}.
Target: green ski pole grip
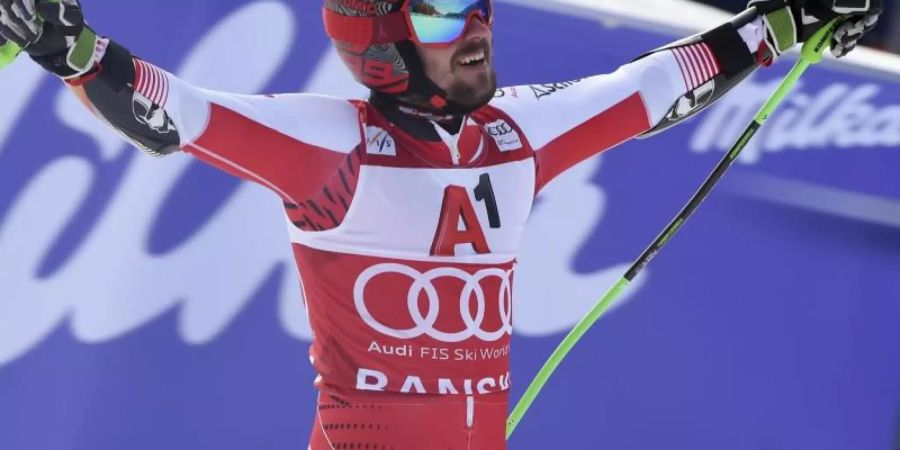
{"points": [[8, 53], [815, 46]]}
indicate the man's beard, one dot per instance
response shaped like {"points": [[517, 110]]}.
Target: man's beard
{"points": [[474, 96]]}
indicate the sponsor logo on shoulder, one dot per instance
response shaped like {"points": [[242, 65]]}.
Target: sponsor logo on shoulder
{"points": [[506, 137], [379, 142], [543, 90], [504, 92]]}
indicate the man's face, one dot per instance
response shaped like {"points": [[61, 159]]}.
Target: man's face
{"points": [[464, 69]]}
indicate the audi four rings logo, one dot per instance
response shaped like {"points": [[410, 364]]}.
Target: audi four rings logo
{"points": [[424, 323]]}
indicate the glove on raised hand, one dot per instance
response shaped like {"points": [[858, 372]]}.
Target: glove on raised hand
{"points": [[53, 33], [7, 52], [791, 21]]}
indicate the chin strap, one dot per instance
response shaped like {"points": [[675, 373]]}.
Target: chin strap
{"points": [[393, 103], [450, 113]]}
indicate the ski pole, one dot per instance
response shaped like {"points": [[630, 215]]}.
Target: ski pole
{"points": [[809, 55]]}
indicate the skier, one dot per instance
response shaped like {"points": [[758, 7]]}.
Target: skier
{"points": [[405, 210]]}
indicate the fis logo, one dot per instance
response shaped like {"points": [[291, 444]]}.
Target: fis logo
{"points": [[379, 142]]}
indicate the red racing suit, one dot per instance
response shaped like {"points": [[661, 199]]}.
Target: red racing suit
{"points": [[405, 234]]}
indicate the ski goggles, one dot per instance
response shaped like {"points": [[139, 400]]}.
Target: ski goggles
{"points": [[431, 23], [443, 22]]}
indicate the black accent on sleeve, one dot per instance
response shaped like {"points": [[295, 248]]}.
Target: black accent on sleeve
{"points": [[730, 49], [144, 123], [735, 61], [118, 67]]}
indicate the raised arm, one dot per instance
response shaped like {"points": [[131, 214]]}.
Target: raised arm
{"points": [[568, 122], [288, 143]]}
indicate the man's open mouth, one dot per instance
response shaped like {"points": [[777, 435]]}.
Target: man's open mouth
{"points": [[474, 59]]}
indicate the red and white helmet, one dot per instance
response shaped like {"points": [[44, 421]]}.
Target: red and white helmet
{"points": [[377, 41]]}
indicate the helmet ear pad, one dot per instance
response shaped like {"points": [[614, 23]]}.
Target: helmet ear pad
{"points": [[422, 90], [378, 67]]}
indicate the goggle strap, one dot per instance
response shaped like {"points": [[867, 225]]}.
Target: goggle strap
{"points": [[365, 31]]}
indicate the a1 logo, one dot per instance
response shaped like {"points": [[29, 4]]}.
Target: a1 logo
{"points": [[457, 210]]}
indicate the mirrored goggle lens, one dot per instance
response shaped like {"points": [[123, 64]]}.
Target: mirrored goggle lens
{"points": [[444, 21]]}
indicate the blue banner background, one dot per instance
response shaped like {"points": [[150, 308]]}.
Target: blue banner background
{"points": [[771, 322]]}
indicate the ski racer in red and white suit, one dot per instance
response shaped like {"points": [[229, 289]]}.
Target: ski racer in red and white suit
{"points": [[404, 225]]}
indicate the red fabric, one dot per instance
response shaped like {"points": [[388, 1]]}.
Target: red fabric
{"points": [[456, 206], [252, 151], [403, 422], [365, 31], [476, 146], [348, 353], [91, 75], [711, 57], [613, 126], [376, 74], [151, 82], [326, 208], [764, 56], [698, 64]]}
